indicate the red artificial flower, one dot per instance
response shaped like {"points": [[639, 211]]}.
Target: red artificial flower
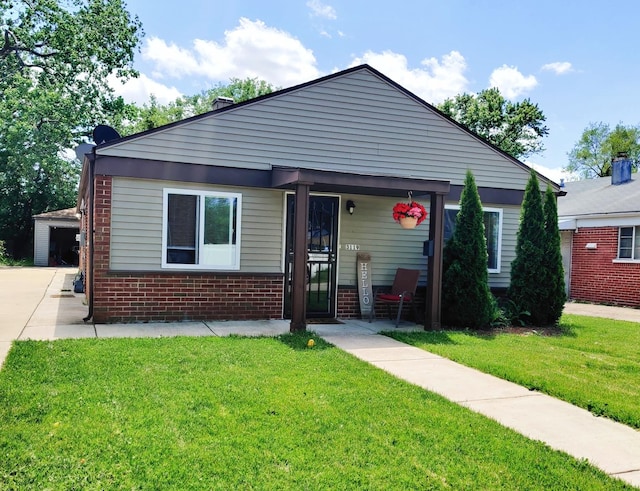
{"points": [[413, 209]]}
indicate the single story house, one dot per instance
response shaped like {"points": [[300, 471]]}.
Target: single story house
{"points": [[599, 221], [263, 209], [55, 238]]}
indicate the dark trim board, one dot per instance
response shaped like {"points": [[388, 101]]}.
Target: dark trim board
{"points": [[287, 178], [490, 195], [176, 171]]}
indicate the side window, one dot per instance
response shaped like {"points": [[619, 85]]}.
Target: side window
{"points": [[182, 219], [201, 230], [629, 243], [492, 231]]}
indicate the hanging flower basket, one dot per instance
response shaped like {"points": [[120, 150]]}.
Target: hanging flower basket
{"points": [[409, 215]]}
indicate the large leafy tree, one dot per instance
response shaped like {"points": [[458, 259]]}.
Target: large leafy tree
{"points": [[466, 298], [56, 57], [591, 156], [153, 114], [517, 128], [527, 287]]}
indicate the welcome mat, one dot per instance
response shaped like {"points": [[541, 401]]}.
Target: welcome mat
{"points": [[324, 321]]}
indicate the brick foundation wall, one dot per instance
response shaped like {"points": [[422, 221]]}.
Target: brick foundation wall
{"points": [[348, 304], [131, 297], [594, 275]]}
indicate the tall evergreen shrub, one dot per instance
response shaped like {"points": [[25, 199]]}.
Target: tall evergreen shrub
{"points": [[528, 289], [466, 297], [554, 271]]}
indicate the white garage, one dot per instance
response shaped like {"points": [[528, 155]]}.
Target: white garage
{"points": [[55, 236]]}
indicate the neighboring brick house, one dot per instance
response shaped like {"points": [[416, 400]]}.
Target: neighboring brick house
{"points": [[599, 221], [197, 219]]}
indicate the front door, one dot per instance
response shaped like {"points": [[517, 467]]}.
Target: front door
{"points": [[322, 247]]}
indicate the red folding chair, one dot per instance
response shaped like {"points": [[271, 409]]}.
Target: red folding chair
{"points": [[403, 292]]}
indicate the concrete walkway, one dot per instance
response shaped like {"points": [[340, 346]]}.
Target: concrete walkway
{"points": [[40, 304]]}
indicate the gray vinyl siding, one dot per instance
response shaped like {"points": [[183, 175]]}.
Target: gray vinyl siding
{"points": [[136, 232], [373, 229], [136, 225], [510, 224], [356, 123]]}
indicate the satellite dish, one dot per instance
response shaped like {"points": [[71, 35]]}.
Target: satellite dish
{"points": [[103, 134], [83, 148]]}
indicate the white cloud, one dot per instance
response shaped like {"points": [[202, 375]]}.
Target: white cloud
{"points": [[558, 67], [553, 173], [319, 9], [170, 59], [437, 81], [252, 49], [140, 89], [511, 82]]}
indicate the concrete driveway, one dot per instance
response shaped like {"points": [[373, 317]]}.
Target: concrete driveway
{"points": [[23, 290]]}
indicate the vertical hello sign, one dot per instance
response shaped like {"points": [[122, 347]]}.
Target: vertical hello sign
{"points": [[365, 293]]}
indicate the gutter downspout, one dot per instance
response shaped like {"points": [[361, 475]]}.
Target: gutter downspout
{"points": [[90, 208]]}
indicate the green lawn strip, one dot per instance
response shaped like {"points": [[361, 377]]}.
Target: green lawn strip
{"points": [[241, 413], [594, 363]]}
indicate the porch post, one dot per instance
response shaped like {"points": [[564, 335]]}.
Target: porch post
{"points": [[300, 231], [433, 301]]}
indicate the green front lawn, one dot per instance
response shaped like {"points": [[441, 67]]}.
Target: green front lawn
{"points": [[594, 363], [239, 413]]}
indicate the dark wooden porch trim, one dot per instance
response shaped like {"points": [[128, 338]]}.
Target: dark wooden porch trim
{"points": [[286, 178], [298, 291], [433, 302]]}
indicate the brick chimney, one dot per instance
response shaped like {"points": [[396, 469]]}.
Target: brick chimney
{"points": [[620, 169], [221, 102]]}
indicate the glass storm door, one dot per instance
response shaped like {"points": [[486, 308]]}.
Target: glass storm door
{"points": [[322, 246]]}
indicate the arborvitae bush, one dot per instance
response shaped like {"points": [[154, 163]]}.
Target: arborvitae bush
{"points": [[554, 287], [527, 288], [466, 297]]}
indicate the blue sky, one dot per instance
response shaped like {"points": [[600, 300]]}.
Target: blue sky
{"points": [[578, 60]]}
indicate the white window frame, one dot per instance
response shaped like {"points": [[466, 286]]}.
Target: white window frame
{"points": [[500, 213], [234, 265], [634, 241]]}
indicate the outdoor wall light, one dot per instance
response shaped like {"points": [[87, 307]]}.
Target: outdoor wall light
{"points": [[350, 206]]}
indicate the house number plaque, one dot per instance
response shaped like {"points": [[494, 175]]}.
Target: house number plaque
{"points": [[365, 294]]}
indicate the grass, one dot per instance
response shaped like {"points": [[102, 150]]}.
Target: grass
{"points": [[240, 413], [594, 363]]}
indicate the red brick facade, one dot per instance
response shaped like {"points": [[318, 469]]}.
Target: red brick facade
{"points": [[348, 303], [129, 297], [595, 277]]}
